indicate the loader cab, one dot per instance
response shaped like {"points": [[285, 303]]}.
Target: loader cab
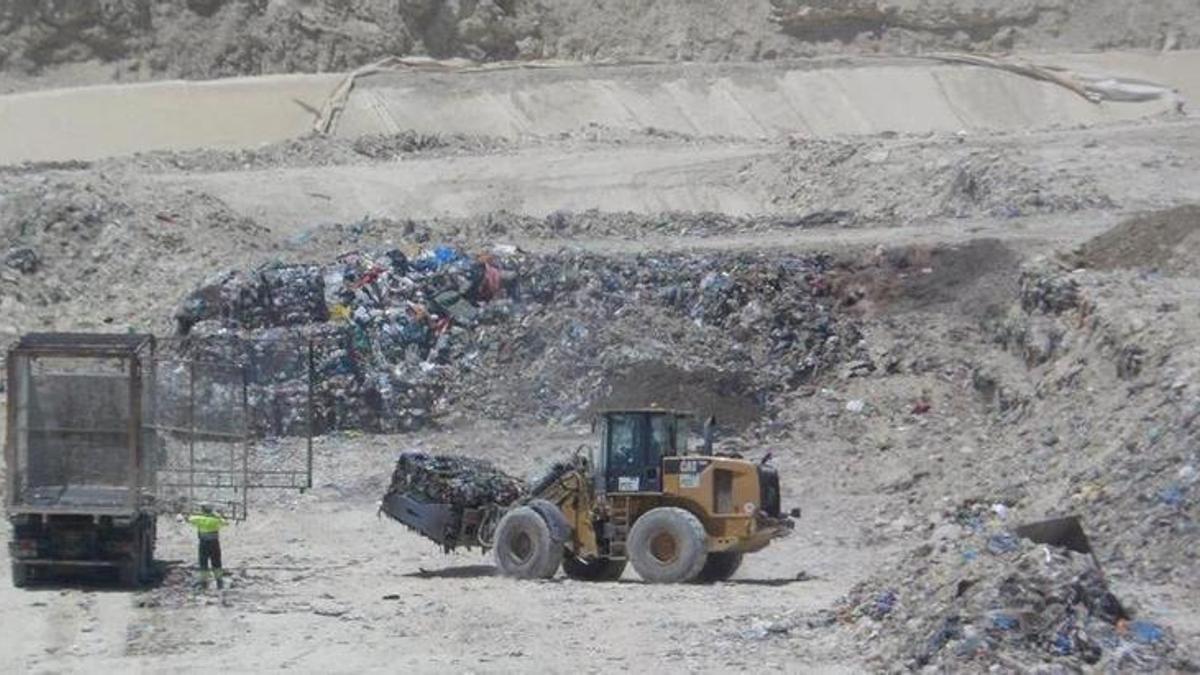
{"points": [[632, 446]]}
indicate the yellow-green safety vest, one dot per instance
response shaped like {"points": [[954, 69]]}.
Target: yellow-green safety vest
{"points": [[207, 524]]}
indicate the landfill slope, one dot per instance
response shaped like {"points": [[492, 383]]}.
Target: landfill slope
{"points": [[810, 99]]}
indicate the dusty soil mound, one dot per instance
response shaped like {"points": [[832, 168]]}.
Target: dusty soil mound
{"points": [[728, 396], [92, 250], [971, 279], [1164, 241]]}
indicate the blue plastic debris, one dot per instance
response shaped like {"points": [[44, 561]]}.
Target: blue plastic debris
{"points": [[885, 602], [1004, 622], [1146, 633], [973, 523], [446, 254], [440, 256], [1063, 644], [970, 555], [1002, 543], [1172, 495], [951, 629], [971, 646]]}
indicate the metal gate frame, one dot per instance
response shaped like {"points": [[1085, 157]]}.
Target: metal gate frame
{"points": [[241, 474]]}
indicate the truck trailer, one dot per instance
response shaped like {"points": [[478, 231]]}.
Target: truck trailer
{"points": [[80, 455]]}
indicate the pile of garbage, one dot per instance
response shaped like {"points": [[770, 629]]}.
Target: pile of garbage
{"points": [[385, 340], [719, 332], [463, 482], [361, 337], [979, 597]]}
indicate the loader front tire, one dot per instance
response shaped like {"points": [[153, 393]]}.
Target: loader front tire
{"points": [[720, 566], [600, 569], [667, 545], [524, 547]]}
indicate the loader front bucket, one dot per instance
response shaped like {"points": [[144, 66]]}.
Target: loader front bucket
{"points": [[1062, 532], [1066, 532]]}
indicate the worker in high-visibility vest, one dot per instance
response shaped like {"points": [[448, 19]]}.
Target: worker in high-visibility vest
{"points": [[208, 526]]}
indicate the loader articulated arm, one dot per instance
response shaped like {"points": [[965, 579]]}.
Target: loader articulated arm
{"points": [[562, 486], [568, 486]]}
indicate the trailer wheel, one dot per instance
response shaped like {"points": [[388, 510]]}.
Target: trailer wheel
{"points": [[600, 569], [20, 575], [148, 537], [524, 547], [667, 545], [719, 566], [132, 572]]}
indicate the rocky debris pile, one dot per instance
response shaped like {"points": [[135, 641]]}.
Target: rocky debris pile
{"points": [[463, 482], [941, 179], [399, 335], [1032, 329], [52, 234], [24, 259], [310, 150], [1047, 290], [980, 25], [86, 251], [1114, 399], [978, 597]]}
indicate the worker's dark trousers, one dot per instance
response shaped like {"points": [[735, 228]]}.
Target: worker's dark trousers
{"points": [[210, 552]]}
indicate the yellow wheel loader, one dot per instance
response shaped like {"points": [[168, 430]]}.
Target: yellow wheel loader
{"points": [[641, 497]]}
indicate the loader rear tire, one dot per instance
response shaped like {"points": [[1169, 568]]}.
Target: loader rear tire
{"points": [[667, 545], [524, 547], [600, 569], [720, 566]]}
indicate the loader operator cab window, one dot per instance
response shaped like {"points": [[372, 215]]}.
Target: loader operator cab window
{"points": [[660, 436], [622, 441], [635, 444]]}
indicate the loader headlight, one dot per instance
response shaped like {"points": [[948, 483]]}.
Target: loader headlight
{"points": [[749, 508]]}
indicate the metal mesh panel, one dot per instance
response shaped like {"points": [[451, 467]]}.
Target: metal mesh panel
{"points": [[223, 405], [94, 421], [201, 435], [75, 431]]}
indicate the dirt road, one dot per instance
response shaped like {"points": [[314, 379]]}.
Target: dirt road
{"points": [[320, 582]]}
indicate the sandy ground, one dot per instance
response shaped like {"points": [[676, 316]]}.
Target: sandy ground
{"points": [[320, 583], [102, 121]]}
